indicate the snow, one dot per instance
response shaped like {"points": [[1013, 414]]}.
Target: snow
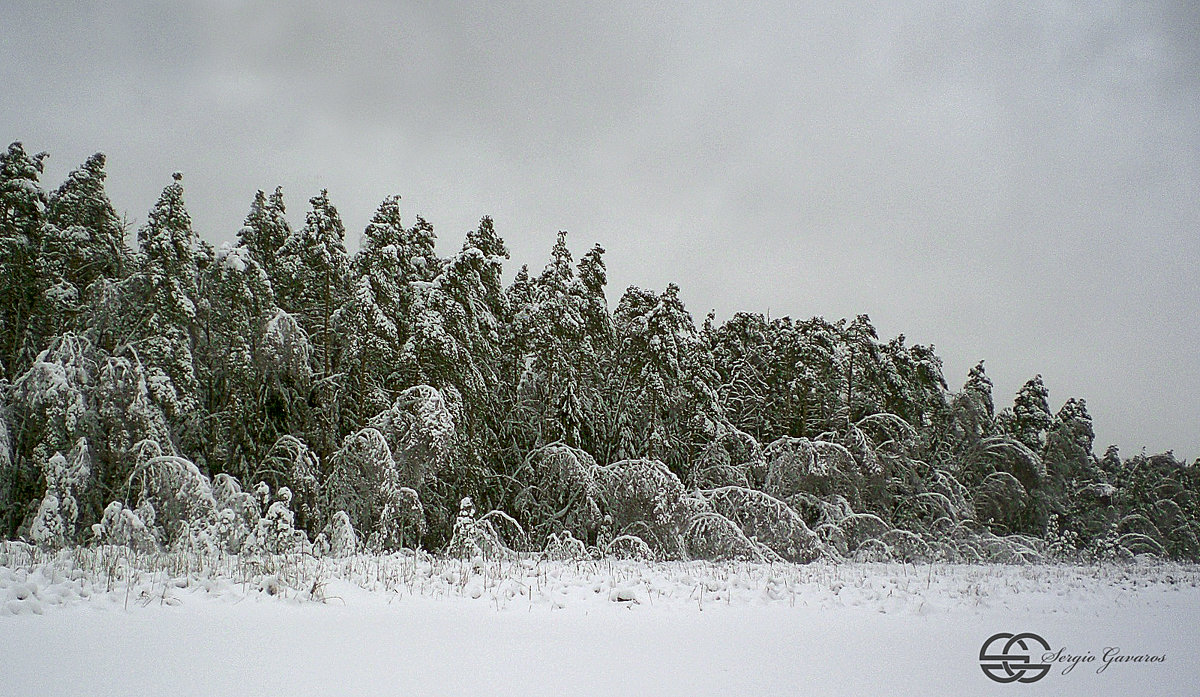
{"points": [[415, 624], [232, 257]]}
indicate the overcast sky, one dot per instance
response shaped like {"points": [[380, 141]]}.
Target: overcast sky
{"points": [[1018, 182]]}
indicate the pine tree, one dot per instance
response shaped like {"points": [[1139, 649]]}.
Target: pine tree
{"points": [[23, 318], [376, 314], [86, 237], [314, 287], [474, 308], [858, 357], [671, 378], [169, 248], [911, 383], [265, 231], [559, 379], [979, 386], [238, 304], [489, 269], [594, 277], [315, 275], [169, 292], [1069, 443], [1030, 416]]}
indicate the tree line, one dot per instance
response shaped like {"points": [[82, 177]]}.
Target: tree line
{"points": [[180, 392]]}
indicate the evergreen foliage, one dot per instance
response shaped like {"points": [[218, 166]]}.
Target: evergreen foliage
{"points": [[375, 401]]}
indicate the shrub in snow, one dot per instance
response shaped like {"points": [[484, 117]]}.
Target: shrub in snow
{"points": [[768, 521], [646, 500], [733, 458], [801, 465], [902, 545], [480, 537], [629, 547], [465, 530], [276, 532], [877, 439], [643, 494], [710, 535], [1002, 500], [604, 535], [401, 518], [860, 527], [181, 495], [49, 529], [127, 414], [363, 478], [302, 467], [126, 527], [228, 494], [238, 514], [338, 539], [54, 523], [262, 494], [420, 428], [558, 491], [819, 510], [564, 547]]}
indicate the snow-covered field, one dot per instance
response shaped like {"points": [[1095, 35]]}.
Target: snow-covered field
{"points": [[99, 622]]}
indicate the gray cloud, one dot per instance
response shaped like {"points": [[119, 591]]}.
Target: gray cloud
{"points": [[1016, 183]]}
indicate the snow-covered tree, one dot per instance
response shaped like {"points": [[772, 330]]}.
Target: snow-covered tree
{"points": [[169, 247], [560, 492], [85, 239], [285, 363], [54, 525], [376, 314], [314, 285], [669, 377], [339, 538], [1030, 417], [557, 358], [127, 415], [23, 318], [979, 388], [238, 303], [169, 292], [265, 231]]}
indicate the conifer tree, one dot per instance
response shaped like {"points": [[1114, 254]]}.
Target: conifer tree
{"points": [[671, 377], [22, 295], [979, 387], [168, 291], [231, 322], [1030, 417], [1069, 442], [314, 287], [86, 237], [377, 315], [169, 247], [559, 382], [594, 276], [314, 270], [858, 358], [265, 231]]}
